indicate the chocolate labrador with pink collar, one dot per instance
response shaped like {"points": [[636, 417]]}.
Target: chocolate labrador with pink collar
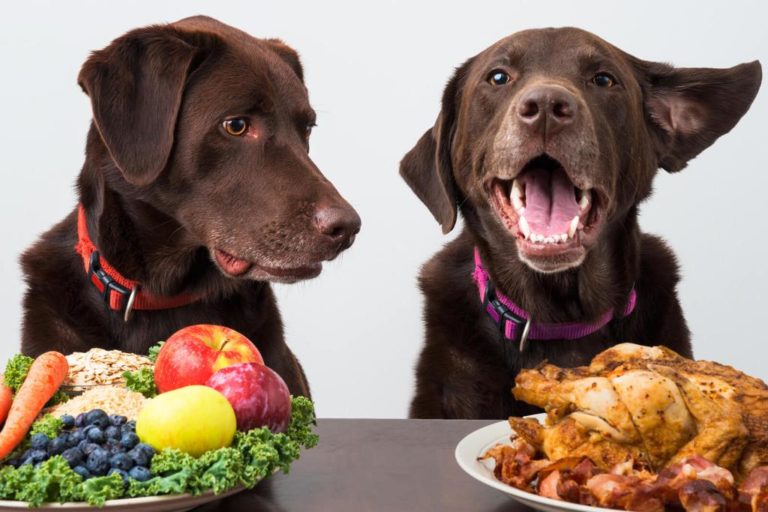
{"points": [[197, 191], [546, 143]]}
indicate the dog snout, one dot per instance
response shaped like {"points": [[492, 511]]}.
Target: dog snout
{"points": [[338, 224], [547, 109]]}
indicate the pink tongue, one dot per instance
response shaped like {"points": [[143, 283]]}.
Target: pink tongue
{"points": [[550, 203]]}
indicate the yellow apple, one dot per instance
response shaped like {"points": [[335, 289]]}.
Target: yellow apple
{"points": [[193, 419]]}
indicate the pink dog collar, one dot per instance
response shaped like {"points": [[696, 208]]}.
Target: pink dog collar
{"points": [[517, 325]]}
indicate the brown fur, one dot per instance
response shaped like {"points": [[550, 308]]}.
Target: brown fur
{"points": [[163, 185], [658, 116]]}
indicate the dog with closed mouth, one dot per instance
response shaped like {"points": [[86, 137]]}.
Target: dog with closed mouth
{"points": [[547, 142], [197, 191]]}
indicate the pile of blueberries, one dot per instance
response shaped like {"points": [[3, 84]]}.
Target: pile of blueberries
{"points": [[94, 444]]}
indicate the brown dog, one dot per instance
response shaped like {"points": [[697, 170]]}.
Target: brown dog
{"points": [[547, 141], [196, 192]]}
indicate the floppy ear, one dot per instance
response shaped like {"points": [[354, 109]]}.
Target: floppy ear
{"points": [[689, 108], [427, 167], [288, 54], [135, 85]]}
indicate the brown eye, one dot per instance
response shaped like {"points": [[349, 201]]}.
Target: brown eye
{"points": [[308, 129], [498, 77], [604, 80], [236, 126]]}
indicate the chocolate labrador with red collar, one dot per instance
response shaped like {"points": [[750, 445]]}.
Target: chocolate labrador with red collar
{"points": [[546, 143], [197, 191]]}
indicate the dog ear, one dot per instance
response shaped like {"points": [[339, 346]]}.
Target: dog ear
{"points": [[288, 54], [689, 108], [135, 85], [427, 167]]}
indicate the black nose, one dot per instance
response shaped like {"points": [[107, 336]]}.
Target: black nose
{"points": [[547, 109], [337, 223]]}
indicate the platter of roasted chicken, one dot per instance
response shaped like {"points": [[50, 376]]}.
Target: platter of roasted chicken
{"points": [[640, 428]]}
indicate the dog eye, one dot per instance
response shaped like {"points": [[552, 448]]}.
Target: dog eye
{"points": [[236, 126], [498, 77], [308, 129], [604, 80]]}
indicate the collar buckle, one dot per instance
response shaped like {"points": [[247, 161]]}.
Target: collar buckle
{"points": [[522, 325], [105, 284]]}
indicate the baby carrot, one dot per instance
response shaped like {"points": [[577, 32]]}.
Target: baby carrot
{"points": [[43, 380]]}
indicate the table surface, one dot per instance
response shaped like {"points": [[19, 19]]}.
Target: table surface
{"points": [[376, 465]]}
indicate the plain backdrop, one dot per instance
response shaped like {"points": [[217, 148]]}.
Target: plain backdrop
{"points": [[375, 73]]}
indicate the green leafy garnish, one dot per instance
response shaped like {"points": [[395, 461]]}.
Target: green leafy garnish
{"points": [[143, 380], [154, 350], [49, 425], [16, 371]]}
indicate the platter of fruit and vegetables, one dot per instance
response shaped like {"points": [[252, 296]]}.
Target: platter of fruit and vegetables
{"points": [[200, 418]]}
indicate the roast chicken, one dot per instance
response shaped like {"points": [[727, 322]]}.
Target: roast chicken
{"points": [[648, 404]]}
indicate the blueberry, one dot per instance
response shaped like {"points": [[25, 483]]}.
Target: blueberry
{"points": [[121, 461], [67, 421], [39, 442], [128, 440], [76, 436], [97, 417], [130, 426], [88, 447], [140, 473], [57, 445], [38, 455], [82, 471], [139, 456], [96, 435], [73, 456], [144, 447], [112, 432], [14, 462], [117, 420], [120, 472], [80, 420], [26, 461], [98, 462]]}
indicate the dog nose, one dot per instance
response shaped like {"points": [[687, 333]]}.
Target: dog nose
{"points": [[547, 109], [337, 223]]}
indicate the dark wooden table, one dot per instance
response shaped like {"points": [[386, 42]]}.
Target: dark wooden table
{"points": [[376, 465]]}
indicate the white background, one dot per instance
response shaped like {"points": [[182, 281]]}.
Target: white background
{"points": [[375, 74]]}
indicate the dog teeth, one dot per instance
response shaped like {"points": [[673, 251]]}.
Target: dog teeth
{"points": [[538, 238], [516, 197], [525, 229], [573, 227], [586, 199]]}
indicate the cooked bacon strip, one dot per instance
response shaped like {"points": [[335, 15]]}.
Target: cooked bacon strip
{"points": [[624, 492], [515, 465], [701, 496], [753, 491]]}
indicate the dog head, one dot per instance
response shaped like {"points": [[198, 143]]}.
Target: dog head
{"points": [[211, 127], [550, 137]]}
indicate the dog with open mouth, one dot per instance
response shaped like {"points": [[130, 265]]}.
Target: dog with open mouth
{"points": [[197, 191], [547, 142]]}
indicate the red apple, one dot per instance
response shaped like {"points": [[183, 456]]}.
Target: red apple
{"points": [[196, 352], [258, 395]]}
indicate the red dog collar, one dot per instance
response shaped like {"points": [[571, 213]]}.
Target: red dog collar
{"points": [[517, 325], [118, 292]]}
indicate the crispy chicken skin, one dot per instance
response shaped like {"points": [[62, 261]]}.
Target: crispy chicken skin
{"points": [[650, 404]]}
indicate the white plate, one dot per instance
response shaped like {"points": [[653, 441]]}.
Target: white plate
{"points": [[478, 442], [176, 503]]}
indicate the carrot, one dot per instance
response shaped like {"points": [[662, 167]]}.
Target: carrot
{"points": [[6, 398], [44, 378]]}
